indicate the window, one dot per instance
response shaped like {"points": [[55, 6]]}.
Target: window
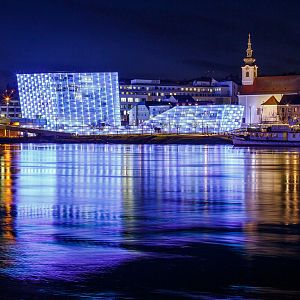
{"points": [[258, 111], [247, 74]]}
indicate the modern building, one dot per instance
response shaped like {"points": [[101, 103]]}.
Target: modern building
{"points": [[144, 111], [138, 114], [156, 108], [70, 101], [201, 118], [10, 104], [182, 100], [260, 95], [11, 109], [203, 89], [149, 109]]}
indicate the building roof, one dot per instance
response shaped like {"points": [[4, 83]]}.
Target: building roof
{"points": [[183, 98], [272, 85], [165, 82], [156, 103], [271, 101], [205, 102], [290, 99]]}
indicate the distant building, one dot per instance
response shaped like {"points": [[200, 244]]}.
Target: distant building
{"points": [[289, 109], [156, 108], [203, 89], [70, 101], [12, 109], [144, 111], [181, 100], [138, 114], [261, 95], [269, 111], [201, 118], [10, 104]]}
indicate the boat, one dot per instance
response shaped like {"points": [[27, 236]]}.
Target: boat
{"points": [[274, 136]]}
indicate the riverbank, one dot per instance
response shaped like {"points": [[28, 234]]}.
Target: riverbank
{"points": [[194, 139]]}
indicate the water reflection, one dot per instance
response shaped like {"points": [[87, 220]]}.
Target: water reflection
{"points": [[7, 203], [72, 210]]}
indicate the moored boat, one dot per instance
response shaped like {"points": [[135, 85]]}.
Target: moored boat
{"points": [[274, 136]]}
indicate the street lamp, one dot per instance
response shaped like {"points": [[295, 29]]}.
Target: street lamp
{"points": [[7, 96], [7, 101]]}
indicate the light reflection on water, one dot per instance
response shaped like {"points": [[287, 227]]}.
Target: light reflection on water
{"points": [[71, 211]]}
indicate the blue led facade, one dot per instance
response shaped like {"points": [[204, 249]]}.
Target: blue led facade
{"points": [[70, 100], [201, 118]]}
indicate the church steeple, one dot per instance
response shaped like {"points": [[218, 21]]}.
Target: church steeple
{"points": [[249, 60], [249, 71]]}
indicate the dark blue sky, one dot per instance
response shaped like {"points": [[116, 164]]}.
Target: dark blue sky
{"points": [[171, 39]]}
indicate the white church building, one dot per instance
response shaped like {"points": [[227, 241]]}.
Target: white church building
{"points": [[261, 96]]}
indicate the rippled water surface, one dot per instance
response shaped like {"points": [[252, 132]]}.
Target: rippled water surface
{"points": [[149, 221]]}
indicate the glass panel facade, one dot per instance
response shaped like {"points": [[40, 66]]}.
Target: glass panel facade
{"points": [[70, 100], [207, 118]]}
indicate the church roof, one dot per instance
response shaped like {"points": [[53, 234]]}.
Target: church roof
{"points": [[272, 85], [271, 101], [290, 99]]}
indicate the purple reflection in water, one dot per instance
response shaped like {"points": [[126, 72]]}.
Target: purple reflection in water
{"points": [[72, 211]]}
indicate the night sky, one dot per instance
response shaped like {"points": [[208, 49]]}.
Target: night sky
{"points": [[167, 39]]}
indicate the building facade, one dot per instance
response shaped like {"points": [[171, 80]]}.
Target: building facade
{"points": [[205, 89], [201, 118], [261, 95], [144, 111], [156, 108], [289, 109], [11, 109], [70, 101], [10, 104], [138, 114]]}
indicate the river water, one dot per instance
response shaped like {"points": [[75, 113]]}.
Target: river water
{"points": [[149, 221]]}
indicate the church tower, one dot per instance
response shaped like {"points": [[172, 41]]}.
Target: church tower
{"points": [[249, 71]]}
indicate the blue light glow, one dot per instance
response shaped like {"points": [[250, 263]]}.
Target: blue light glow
{"points": [[208, 118], [69, 101]]}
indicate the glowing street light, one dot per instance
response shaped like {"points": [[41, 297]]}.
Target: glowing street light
{"points": [[7, 96]]}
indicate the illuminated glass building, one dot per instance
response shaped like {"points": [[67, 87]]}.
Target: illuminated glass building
{"points": [[68, 101], [199, 118], [202, 90]]}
